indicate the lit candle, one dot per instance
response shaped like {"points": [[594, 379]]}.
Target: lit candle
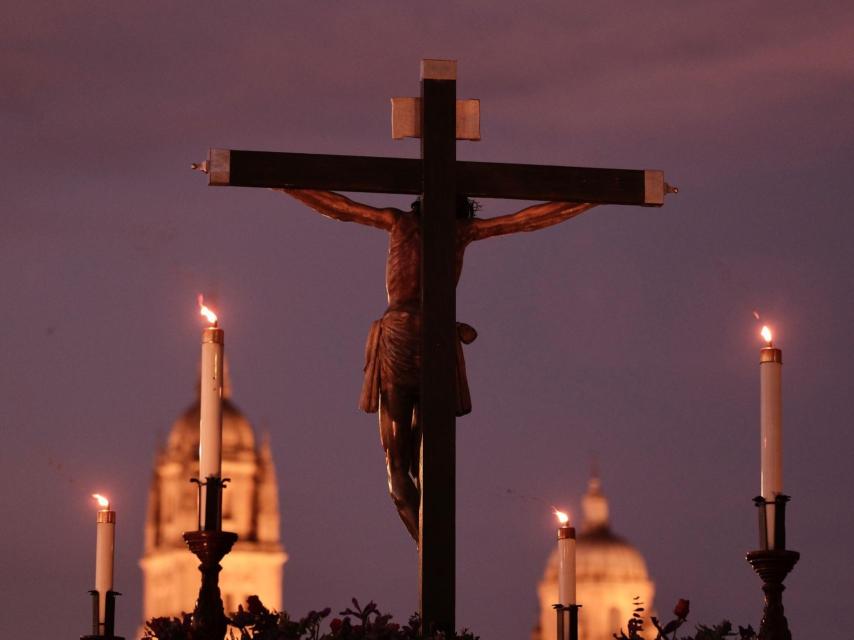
{"points": [[770, 421], [105, 538], [566, 556], [210, 408]]}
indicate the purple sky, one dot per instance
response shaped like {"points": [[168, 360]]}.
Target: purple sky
{"points": [[626, 333]]}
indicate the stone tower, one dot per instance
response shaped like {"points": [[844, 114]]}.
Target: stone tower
{"points": [[609, 574], [250, 508]]}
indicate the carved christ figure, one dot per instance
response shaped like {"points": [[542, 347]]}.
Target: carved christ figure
{"points": [[392, 353]]}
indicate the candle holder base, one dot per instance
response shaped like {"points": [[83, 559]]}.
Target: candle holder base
{"points": [[567, 631], [772, 566], [210, 547], [109, 625]]}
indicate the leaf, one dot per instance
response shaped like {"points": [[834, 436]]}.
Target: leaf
{"points": [[671, 626], [746, 633]]}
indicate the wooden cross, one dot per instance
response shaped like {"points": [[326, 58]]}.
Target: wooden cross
{"points": [[438, 119]]}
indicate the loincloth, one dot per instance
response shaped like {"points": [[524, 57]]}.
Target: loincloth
{"points": [[393, 357]]}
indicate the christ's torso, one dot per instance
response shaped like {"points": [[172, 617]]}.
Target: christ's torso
{"points": [[403, 267]]}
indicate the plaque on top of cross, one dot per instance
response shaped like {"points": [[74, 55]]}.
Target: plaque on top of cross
{"points": [[415, 373]]}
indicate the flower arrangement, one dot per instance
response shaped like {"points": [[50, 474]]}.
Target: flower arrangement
{"points": [[256, 622], [667, 631]]}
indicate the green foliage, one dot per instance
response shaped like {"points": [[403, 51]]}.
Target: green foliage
{"points": [[256, 622], [667, 631]]}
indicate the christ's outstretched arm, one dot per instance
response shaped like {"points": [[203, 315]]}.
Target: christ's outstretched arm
{"points": [[538, 216], [338, 207]]}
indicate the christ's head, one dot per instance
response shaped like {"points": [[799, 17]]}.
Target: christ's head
{"points": [[465, 207]]}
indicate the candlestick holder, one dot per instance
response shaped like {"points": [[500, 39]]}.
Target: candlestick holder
{"points": [[210, 547], [210, 544], [563, 612], [109, 625], [773, 565]]}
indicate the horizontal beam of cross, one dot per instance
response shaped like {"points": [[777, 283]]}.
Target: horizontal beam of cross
{"points": [[403, 175]]}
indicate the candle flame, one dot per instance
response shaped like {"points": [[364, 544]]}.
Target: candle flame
{"points": [[766, 334], [562, 517], [207, 312], [102, 501]]}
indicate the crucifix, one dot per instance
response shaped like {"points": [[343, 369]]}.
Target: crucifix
{"points": [[415, 371]]}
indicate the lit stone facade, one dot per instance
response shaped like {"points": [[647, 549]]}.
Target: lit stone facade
{"points": [[250, 508], [610, 573]]}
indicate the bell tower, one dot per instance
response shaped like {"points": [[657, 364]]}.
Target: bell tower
{"points": [[255, 565]]}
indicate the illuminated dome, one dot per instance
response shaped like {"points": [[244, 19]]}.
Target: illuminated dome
{"points": [[238, 437], [610, 572], [602, 556]]}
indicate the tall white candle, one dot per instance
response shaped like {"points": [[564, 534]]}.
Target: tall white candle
{"points": [[770, 421], [566, 557], [105, 540], [210, 408]]}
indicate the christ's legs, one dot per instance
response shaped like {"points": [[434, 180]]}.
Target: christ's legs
{"points": [[398, 435]]}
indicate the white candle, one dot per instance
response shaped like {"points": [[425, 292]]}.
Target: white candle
{"points": [[770, 421], [210, 408], [566, 557], [105, 539]]}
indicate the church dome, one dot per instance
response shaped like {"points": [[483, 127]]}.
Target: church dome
{"points": [[602, 555], [238, 437]]}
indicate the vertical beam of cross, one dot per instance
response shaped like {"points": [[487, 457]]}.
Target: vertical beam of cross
{"points": [[438, 348]]}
